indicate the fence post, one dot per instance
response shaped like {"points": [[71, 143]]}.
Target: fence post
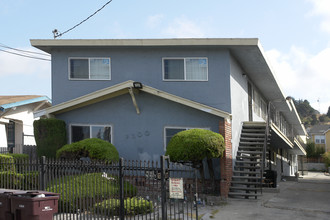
{"points": [[163, 187], [42, 173], [121, 189]]}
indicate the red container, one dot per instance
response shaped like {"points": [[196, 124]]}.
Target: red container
{"points": [[34, 205], [5, 203]]}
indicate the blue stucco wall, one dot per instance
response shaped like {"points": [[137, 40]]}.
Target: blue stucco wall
{"points": [[145, 65], [140, 136]]}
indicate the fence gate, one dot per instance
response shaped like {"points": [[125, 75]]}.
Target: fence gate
{"points": [[171, 187]]}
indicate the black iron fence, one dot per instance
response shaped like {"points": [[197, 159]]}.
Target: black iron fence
{"points": [[99, 190]]}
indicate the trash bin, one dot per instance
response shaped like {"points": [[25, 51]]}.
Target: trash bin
{"points": [[271, 178], [5, 203], [38, 205]]}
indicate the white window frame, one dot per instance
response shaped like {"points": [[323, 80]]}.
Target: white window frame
{"points": [[178, 127], [184, 63], [90, 129], [89, 74]]}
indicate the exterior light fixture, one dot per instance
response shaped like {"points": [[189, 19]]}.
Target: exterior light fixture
{"points": [[137, 85]]}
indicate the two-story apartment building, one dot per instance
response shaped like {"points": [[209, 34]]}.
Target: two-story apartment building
{"points": [[225, 85]]}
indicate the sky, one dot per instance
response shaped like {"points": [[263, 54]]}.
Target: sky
{"points": [[295, 35]]}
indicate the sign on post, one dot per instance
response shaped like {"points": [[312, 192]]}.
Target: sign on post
{"points": [[176, 188]]}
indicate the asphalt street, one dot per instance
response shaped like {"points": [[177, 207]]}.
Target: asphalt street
{"points": [[309, 198]]}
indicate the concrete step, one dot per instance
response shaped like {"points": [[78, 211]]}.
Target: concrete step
{"points": [[259, 139], [245, 195], [242, 188], [256, 143], [246, 172], [249, 152], [247, 177]]}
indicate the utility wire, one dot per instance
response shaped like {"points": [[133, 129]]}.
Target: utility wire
{"points": [[58, 34], [24, 51], [22, 55]]}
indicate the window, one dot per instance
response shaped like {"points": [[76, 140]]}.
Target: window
{"points": [[80, 132], [89, 68], [185, 69], [319, 139], [171, 131]]}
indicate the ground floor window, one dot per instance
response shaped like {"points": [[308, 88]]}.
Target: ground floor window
{"points": [[169, 132], [80, 132]]}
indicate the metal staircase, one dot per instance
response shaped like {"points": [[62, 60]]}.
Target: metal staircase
{"points": [[248, 169]]}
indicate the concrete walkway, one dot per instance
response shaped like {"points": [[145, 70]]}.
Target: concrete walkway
{"points": [[309, 198]]}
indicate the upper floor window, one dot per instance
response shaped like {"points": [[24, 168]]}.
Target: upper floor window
{"points": [[319, 139], [89, 68], [185, 69], [81, 132]]}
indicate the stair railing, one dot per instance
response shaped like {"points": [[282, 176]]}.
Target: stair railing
{"points": [[263, 165]]}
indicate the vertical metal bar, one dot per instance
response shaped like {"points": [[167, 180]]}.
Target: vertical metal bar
{"points": [[42, 173], [196, 193], [163, 187], [121, 189]]}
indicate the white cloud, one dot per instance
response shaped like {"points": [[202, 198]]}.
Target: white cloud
{"points": [[155, 20], [182, 27], [303, 75], [321, 8]]}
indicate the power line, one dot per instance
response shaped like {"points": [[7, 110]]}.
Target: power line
{"points": [[57, 34], [24, 51], [22, 55]]}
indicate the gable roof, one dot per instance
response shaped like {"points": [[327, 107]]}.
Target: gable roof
{"points": [[7, 102], [120, 89], [319, 129]]}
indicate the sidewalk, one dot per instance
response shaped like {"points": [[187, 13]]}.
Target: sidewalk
{"points": [[309, 198]]}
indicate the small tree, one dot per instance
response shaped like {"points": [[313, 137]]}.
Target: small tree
{"points": [[193, 146], [50, 135], [310, 149], [326, 158]]}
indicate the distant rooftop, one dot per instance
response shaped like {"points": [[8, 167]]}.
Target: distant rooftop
{"points": [[7, 102]]}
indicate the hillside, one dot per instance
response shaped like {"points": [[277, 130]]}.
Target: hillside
{"points": [[309, 115]]}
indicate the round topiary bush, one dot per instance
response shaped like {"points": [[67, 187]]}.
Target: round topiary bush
{"points": [[194, 145], [94, 148]]}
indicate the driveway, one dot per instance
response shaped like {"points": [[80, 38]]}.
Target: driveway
{"points": [[309, 198]]}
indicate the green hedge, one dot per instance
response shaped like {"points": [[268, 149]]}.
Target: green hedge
{"points": [[19, 156], [50, 135], [77, 189], [132, 206], [11, 180], [7, 163], [94, 148]]}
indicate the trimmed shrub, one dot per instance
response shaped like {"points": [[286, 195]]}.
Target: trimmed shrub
{"points": [[7, 163], [81, 189], [194, 145], [326, 157], [94, 148], [11, 179], [132, 206], [19, 156], [50, 135]]}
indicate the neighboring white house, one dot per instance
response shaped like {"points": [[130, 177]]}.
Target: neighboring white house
{"points": [[16, 120]]}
